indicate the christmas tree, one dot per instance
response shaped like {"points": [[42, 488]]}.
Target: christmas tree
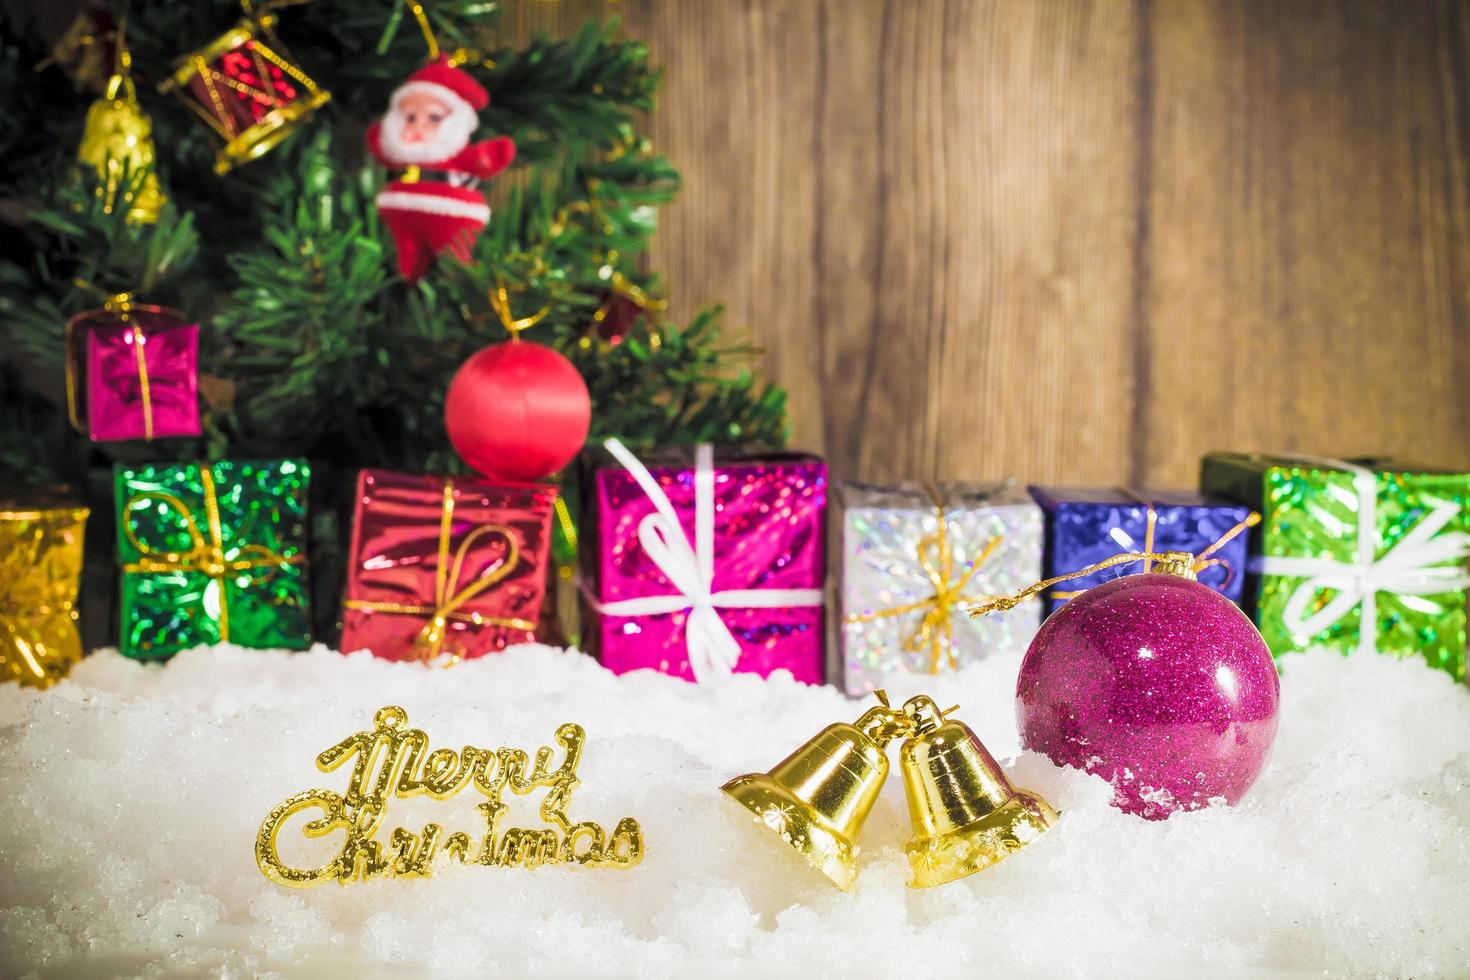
{"points": [[312, 344]]}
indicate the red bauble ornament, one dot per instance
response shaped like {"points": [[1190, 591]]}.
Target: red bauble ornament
{"points": [[517, 411], [1156, 683]]}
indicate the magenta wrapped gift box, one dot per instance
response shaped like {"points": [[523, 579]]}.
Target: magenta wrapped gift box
{"points": [[763, 569], [142, 365]]}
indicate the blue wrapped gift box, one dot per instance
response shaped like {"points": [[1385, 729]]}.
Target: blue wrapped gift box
{"points": [[1086, 526]]}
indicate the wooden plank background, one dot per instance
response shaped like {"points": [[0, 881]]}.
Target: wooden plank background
{"points": [[1075, 241]]}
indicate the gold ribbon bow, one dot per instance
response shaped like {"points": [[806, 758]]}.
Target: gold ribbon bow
{"points": [[206, 555], [447, 605], [1201, 560], [935, 630]]}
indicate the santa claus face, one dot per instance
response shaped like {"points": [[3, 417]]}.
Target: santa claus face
{"points": [[422, 116], [425, 124]]}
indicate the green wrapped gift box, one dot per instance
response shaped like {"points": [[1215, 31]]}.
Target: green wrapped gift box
{"points": [[210, 553], [1355, 555]]}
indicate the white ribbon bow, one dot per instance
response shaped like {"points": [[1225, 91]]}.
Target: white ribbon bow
{"points": [[1413, 566], [713, 650]]}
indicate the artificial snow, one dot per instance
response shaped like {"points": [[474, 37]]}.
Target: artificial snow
{"points": [[132, 796]]}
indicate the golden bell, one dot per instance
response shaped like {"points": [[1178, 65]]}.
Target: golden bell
{"points": [[117, 141], [966, 814], [817, 798]]}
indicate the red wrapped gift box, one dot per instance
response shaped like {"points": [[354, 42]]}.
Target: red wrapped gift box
{"points": [[451, 565]]}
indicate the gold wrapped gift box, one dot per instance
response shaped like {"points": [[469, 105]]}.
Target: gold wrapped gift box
{"points": [[40, 571]]}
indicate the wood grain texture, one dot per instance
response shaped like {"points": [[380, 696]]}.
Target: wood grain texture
{"points": [[1075, 241]]}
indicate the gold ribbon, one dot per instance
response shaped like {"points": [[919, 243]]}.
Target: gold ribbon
{"points": [[430, 641], [122, 306], [1201, 560], [564, 518], [935, 630], [206, 555]]}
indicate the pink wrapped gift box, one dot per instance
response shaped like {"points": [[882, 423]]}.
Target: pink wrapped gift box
{"points": [[142, 374], [749, 593]]}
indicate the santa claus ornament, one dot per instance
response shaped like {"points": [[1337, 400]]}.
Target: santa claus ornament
{"points": [[433, 202]]}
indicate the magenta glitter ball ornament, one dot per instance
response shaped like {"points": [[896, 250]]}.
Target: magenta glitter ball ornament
{"points": [[1156, 683]]}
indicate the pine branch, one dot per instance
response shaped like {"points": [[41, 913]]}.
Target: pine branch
{"points": [[318, 346]]}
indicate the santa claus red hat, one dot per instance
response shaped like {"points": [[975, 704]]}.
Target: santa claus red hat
{"points": [[447, 83]]}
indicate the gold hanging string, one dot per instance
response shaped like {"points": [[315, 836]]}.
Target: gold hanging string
{"points": [[205, 555], [122, 64], [1201, 561], [1179, 563], [265, 18], [448, 605], [935, 629], [500, 303], [460, 56], [268, 9], [422, 16]]}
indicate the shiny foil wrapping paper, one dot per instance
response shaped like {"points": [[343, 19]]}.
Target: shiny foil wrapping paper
{"points": [[769, 529], [115, 384], [889, 547], [212, 552], [40, 570], [489, 593], [1086, 526], [1309, 510]]}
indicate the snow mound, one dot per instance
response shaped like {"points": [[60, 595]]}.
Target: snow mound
{"points": [[133, 794]]}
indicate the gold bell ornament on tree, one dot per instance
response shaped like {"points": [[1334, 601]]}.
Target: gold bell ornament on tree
{"points": [[245, 86], [966, 814], [118, 142]]}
